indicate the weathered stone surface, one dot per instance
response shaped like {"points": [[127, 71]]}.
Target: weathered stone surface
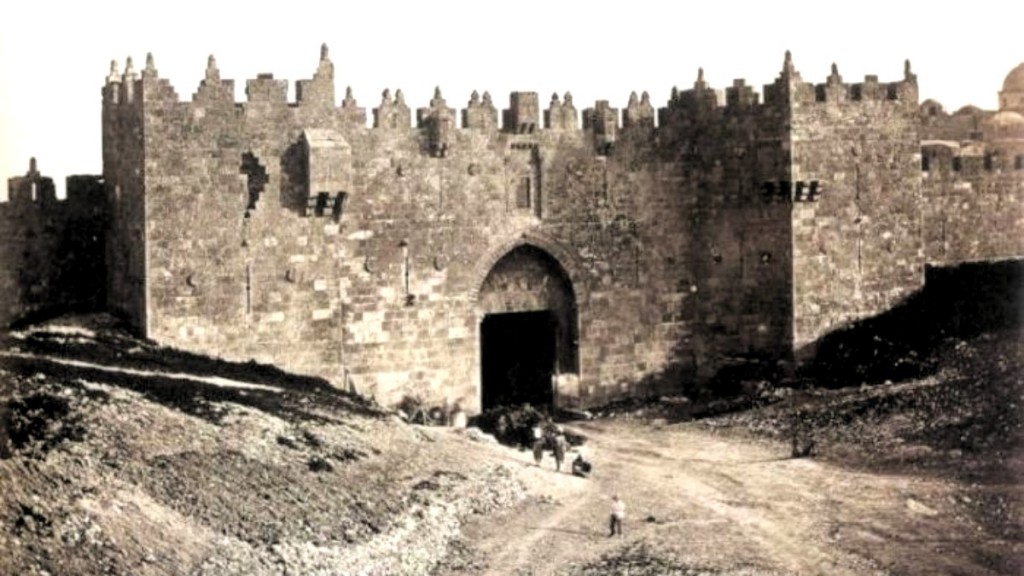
{"points": [[734, 228], [51, 258]]}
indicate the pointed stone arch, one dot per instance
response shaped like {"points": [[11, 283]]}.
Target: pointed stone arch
{"points": [[566, 258], [527, 293]]}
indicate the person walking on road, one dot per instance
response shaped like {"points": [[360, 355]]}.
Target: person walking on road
{"points": [[618, 515]]}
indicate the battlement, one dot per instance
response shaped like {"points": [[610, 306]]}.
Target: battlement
{"points": [[524, 114], [53, 248], [790, 86], [660, 243], [32, 188], [965, 160]]}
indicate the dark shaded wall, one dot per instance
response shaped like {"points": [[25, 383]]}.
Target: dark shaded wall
{"points": [[52, 259], [124, 172]]}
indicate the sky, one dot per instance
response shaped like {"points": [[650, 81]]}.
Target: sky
{"points": [[54, 56]]}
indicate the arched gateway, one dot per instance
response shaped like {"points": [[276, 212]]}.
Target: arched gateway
{"points": [[528, 329]]}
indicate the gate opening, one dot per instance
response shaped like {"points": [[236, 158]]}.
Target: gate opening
{"points": [[518, 355]]}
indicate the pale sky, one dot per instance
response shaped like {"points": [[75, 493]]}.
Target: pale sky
{"points": [[54, 56]]}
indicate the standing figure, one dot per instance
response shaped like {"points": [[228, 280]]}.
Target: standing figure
{"points": [[538, 444], [618, 515], [558, 446]]}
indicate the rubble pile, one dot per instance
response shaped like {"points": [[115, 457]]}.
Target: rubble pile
{"points": [[640, 559]]}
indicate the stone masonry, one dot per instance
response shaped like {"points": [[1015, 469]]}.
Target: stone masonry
{"points": [[52, 257], [664, 245]]}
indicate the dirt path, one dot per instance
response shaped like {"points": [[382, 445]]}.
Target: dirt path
{"points": [[728, 505]]}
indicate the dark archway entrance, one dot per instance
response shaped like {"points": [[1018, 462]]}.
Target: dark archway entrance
{"points": [[517, 355], [528, 329]]}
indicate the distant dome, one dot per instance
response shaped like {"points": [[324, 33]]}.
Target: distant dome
{"points": [[967, 110], [1006, 119], [932, 108], [1015, 80]]}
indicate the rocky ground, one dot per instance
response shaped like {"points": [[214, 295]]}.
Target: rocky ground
{"points": [[125, 458], [122, 457]]}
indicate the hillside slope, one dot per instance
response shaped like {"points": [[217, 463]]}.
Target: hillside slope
{"points": [[126, 458], [121, 457]]}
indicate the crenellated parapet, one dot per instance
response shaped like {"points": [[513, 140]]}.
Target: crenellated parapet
{"points": [[212, 90], [603, 121], [318, 92], [788, 87], [266, 90], [666, 241], [439, 121], [523, 114], [480, 113], [701, 105], [638, 113], [561, 116], [31, 189], [686, 106], [351, 111], [130, 90], [740, 96], [52, 257], [967, 161], [392, 113], [84, 194]]}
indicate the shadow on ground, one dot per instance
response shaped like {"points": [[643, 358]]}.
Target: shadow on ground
{"points": [[959, 302], [177, 379]]}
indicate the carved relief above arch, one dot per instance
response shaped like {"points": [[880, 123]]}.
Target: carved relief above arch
{"points": [[528, 322], [565, 256]]}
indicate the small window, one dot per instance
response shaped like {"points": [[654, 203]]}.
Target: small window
{"points": [[1018, 162], [785, 191], [957, 164], [323, 203], [926, 163], [523, 193], [812, 194], [256, 180], [339, 205], [988, 161]]}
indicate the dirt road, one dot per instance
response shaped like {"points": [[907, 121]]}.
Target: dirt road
{"points": [[721, 504]]}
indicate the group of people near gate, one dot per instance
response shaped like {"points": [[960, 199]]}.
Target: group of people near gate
{"points": [[548, 436]]}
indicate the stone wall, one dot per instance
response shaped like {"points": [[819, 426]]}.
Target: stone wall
{"points": [[291, 233], [972, 164], [124, 176], [52, 258], [733, 230], [974, 202], [736, 255], [856, 185]]}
